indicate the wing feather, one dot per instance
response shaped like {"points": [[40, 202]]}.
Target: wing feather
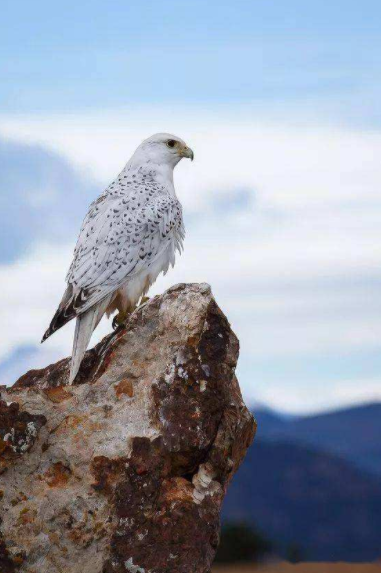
{"points": [[123, 232]]}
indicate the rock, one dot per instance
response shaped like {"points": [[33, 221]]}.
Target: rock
{"points": [[126, 470]]}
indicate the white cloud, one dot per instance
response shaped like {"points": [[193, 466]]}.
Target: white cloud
{"points": [[31, 289], [308, 399], [290, 165]]}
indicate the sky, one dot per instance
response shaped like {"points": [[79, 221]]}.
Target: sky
{"points": [[280, 102]]}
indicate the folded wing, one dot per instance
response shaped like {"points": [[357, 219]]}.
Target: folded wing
{"points": [[120, 236]]}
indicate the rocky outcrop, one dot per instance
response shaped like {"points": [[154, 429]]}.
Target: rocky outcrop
{"points": [[126, 470]]}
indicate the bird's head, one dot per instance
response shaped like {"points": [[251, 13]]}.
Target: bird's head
{"points": [[163, 148]]}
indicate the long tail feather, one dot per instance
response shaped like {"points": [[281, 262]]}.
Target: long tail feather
{"points": [[84, 328]]}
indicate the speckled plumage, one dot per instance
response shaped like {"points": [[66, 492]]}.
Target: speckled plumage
{"points": [[129, 235]]}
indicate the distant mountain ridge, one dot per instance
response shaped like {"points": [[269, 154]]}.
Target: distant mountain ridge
{"points": [[351, 433], [315, 483], [308, 499]]}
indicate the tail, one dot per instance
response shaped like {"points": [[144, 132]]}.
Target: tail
{"points": [[84, 328]]}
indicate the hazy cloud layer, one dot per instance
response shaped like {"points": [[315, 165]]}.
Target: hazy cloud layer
{"points": [[42, 197]]}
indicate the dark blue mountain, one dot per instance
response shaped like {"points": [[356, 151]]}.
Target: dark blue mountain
{"points": [[352, 433], [269, 422], [298, 496]]}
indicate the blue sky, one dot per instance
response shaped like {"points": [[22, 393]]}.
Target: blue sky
{"points": [[75, 55], [280, 101]]}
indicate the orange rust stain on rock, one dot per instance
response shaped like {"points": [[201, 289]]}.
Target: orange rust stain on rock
{"points": [[106, 473], [57, 475], [54, 538], [94, 426], [177, 489], [193, 341], [82, 535], [124, 387], [26, 516], [58, 394], [74, 421], [71, 421]]}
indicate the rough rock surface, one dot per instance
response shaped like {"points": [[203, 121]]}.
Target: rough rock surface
{"points": [[126, 470]]}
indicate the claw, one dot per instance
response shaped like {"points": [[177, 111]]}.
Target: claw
{"points": [[119, 320]]}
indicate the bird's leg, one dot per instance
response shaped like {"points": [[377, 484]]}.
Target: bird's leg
{"points": [[120, 319]]}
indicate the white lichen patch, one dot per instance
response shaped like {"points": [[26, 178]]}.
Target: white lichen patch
{"points": [[126, 521], [10, 436], [198, 496], [169, 376], [204, 484], [141, 536], [32, 430], [203, 384], [206, 369], [30, 436], [24, 442], [181, 357], [182, 373], [129, 565]]}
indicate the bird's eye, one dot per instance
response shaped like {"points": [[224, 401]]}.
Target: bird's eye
{"points": [[171, 143]]}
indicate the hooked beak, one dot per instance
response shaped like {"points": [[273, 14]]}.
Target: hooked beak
{"points": [[187, 152]]}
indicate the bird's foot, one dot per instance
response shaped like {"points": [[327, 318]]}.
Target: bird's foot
{"points": [[119, 320]]}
